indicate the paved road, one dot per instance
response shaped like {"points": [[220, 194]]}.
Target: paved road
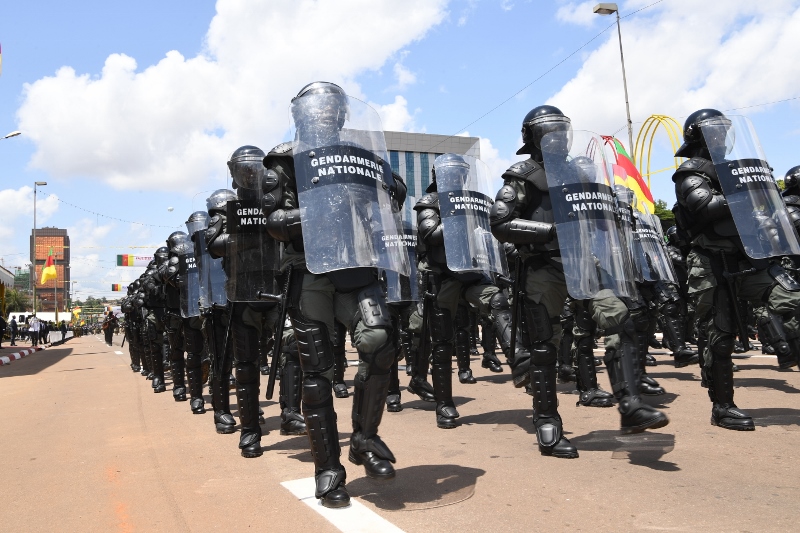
{"points": [[87, 446]]}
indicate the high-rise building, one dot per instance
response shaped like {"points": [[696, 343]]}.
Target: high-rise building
{"points": [[57, 240], [411, 155]]}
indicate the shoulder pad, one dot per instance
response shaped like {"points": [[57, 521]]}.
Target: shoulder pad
{"points": [[429, 201], [697, 165], [792, 199], [528, 170], [282, 150]]}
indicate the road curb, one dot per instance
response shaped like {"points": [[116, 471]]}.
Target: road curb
{"points": [[7, 358]]}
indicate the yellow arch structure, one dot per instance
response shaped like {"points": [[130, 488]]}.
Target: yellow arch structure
{"points": [[645, 137]]}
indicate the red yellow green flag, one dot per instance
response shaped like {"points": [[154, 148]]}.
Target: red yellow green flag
{"points": [[633, 180], [49, 270]]}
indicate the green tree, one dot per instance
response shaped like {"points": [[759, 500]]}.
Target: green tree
{"points": [[664, 214], [17, 301]]}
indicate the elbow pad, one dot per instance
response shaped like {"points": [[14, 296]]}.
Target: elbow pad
{"points": [[429, 227], [216, 238], [717, 208], [521, 231], [284, 225]]}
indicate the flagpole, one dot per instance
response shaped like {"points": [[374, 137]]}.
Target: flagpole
{"points": [[55, 288]]}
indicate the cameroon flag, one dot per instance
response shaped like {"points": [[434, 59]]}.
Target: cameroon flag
{"points": [[125, 260], [631, 178], [117, 287], [49, 270]]}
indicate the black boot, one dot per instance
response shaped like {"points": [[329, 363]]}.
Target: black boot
{"points": [[220, 400], [158, 368], [442, 375], [393, 404], [292, 422], [323, 435], [520, 361], [193, 376], [674, 331], [647, 385], [366, 447], [724, 412], [488, 344], [419, 383], [247, 398], [591, 395], [546, 419], [462, 355], [635, 415]]}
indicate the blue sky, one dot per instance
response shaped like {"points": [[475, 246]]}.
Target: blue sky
{"points": [[130, 108]]}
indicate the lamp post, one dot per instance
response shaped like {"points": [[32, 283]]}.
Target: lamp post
{"points": [[35, 185], [12, 134], [607, 8]]}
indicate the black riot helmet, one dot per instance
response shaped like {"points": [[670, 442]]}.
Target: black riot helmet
{"points": [[162, 255], [454, 162], [247, 167], [197, 221], [218, 201], [698, 143], [792, 179], [584, 166], [320, 111], [176, 238], [539, 122]]}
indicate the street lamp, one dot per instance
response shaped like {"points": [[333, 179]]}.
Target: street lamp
{"points": [[33, 275], [12, 134], [607, 8]]}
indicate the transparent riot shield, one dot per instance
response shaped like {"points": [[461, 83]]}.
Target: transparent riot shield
{"points": [[626, 204], [211, 276], [190, 284], [650, 253], [466, 196], [399, 287], [753, 196], [253, 256], [343, 181], [592, 247]]}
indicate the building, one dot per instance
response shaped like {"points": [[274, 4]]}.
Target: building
{"points": [[411, 155], [57, 240]]}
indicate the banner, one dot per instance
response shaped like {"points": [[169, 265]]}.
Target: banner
{"points": [[116, 287], [133, 260]]}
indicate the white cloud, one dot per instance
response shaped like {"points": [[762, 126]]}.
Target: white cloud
{"points": [[404, 76], [507, 5], [469, 9], [170, 125], [396, 117], [676, 62], [16, 213], [577, 13]]}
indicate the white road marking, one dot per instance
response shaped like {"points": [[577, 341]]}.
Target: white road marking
{"points": [[118, 352], [354, 519]]}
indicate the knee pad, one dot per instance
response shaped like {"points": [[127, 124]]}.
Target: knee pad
{"points": [[372, 307], [381, 359], [247, 372], [543, 354], [441, 324], [641, 321], [462, 317], [193, 339], [316, 390], [498, 301], [583, 319], [313, 344], [723, 348], [540, 329], [245, 342], [670, 309], [723, 310]]}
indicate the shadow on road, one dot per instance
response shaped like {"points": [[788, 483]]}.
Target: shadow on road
{"points": [[642, 449], [680, 376], [661, 400], [775, 416], [35, 362], [419, 487], [518, 417], [765, 383]]}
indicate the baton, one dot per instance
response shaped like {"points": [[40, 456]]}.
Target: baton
{"points": [[283, 301]]}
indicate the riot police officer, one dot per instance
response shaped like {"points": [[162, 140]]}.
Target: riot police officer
{"points": [[332, 171], [731, 248], [524, 214]]}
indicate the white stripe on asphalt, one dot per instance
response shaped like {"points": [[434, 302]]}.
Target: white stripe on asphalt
{"points": [[354, 519], [118, 352]]}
